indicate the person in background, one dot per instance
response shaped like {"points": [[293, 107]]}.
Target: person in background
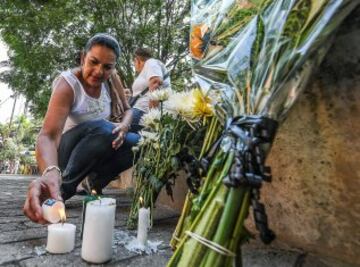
{"points": [[85, 132], [152, 74]]}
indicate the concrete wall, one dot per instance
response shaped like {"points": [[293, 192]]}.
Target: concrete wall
{"points": [[313, 202]]}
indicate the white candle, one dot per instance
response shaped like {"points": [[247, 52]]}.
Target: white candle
{"points": [[143, 225], [98, 230], [61, 238], [52, 210]]}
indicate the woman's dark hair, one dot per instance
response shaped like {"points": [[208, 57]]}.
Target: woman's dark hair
{"points": [[105, 40], [143, 53]]}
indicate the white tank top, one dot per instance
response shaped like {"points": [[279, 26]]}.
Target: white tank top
{"points": [[84, 107]]}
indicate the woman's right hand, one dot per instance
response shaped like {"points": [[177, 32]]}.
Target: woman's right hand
{"points": [[47, 186]]}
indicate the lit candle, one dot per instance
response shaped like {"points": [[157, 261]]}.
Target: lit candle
{"points": [[61, 238], [98, 230], [51, 210], [143, 224]]}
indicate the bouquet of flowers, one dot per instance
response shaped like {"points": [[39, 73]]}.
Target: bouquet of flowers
{"points": [[172, 133], [259, 55]]}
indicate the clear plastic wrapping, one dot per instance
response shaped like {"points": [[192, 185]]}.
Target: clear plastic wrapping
{"points": [[261, 53]]}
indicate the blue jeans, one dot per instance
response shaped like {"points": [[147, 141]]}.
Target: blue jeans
{"points": [[87, 148], [135, 125]]}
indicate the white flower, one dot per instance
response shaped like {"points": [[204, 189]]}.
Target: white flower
{"points": [[151, 119], [148, 136], [180, 104], [160, 94]]}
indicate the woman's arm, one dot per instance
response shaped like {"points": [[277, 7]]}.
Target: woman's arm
{"points": [[48, 185], [50, 134]]}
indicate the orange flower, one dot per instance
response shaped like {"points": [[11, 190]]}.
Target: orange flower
{"points": [[196, 40]]}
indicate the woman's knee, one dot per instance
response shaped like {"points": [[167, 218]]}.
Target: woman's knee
{"points": [[101, 126], [101, 130], [131, 139]]}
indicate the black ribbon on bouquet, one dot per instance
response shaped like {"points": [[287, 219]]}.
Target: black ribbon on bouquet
{"points": [[254, 136]]}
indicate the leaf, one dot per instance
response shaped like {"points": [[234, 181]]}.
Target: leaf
{"points": [[175, 163], [316, 7], [156, 183]]}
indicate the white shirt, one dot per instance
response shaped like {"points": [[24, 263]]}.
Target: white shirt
{"points": [[152, 68], [84, 107]]}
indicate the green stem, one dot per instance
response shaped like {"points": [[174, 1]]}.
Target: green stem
{"points": [[193, 249], [225, 170], [179, 227], [215, 134], [206, 140], [238, 232], [226, 225], [211, 134], [158, 154], [205, 207], [205, 189], [214, 166], [239, 227]]}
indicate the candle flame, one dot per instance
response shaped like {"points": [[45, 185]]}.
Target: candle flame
{"points": [[62, 215], [141, 201], [93, 192]]}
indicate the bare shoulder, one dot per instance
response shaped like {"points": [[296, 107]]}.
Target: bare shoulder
{"points": [[62, 88], [58, 108]]}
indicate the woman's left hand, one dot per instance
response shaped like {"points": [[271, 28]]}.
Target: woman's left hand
{"points": [[120, 129]]}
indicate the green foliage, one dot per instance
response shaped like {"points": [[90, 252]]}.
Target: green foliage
{"points": [[18, 139], [25, 130], [9, 150], [45, 37]]}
